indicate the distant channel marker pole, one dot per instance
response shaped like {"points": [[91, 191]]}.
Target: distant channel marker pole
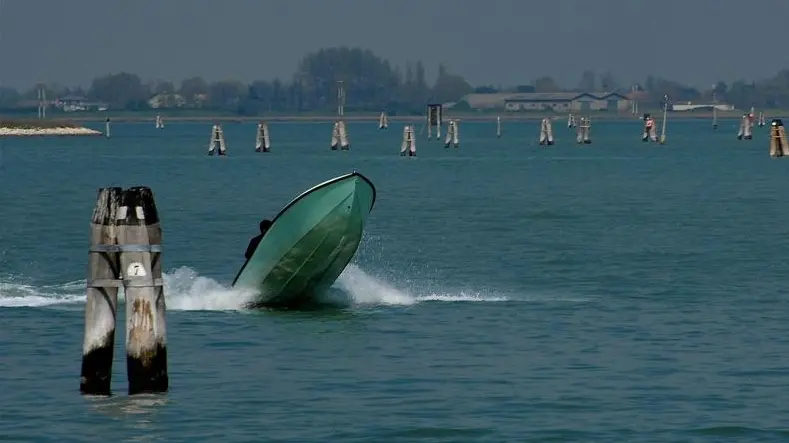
{"points": [[135, 253]]}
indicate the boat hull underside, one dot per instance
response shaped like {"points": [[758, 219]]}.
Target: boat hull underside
{"points": [[314, 263]]}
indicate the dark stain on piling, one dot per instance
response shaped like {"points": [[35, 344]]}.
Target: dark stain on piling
{"points": [[97, 368], [147, 371]]}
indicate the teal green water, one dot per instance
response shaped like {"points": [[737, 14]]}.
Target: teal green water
{"points": [[618, 292]]}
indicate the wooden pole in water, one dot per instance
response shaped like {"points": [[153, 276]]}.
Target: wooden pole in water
{"points": [[102, 296], [779, 146], [139, 240]]}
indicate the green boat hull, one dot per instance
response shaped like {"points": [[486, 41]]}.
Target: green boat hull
{"points": [[309, 243]]}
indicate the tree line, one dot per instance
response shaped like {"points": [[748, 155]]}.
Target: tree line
{"points": [[371, 84]]}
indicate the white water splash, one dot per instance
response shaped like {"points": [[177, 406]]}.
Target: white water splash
{"points": [[463, 296], [365, 289], [185, 290]]}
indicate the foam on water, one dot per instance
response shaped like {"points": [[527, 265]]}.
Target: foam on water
{"points": [[186, 290], [15, 293], [364, 289]]}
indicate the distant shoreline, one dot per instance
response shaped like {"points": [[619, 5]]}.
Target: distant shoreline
{"points": [[505, 116], [68, 121]]}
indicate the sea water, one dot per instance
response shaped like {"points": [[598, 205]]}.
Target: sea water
{"points": [[618, 291]]}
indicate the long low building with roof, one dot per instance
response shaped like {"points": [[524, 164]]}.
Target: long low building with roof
{"points": [[550, 101]]}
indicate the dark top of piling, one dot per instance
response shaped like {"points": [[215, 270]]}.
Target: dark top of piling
{"points": [[139, 196]]}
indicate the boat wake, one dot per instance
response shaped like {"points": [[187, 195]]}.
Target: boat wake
{"points": [[187, 291]]}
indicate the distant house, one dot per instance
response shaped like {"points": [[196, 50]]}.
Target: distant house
{"points": [[568, 102], [688, 106], [553, 101], [178, 101], [77, 103], [200, 99], [482, 100], [167, 101]]}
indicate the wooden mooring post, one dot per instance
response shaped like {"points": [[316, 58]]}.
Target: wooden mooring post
{"points": [[125, 251], [778, 140], [102, 296]]}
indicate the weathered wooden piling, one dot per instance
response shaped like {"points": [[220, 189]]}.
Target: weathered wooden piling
{"points": [[546, 132], [650, 130], [344, 143], [217, 144], [778, 140], [435, 119], [125, 250], [406, 143], [335, 136], [453, 138], [139, 242], [746, 126], [408, 146], [583, 135], [339, 137], [666, 102], [570, 121], [411, 141], [102, 296], [262, 140]]}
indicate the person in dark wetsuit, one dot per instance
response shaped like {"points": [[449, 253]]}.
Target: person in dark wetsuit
{"points": [[255, 241]]}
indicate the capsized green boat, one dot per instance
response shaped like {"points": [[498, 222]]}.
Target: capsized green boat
{"points": [[309, 243]]}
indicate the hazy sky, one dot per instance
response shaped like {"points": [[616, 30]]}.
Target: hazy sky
{"points": [[503, 42]]}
